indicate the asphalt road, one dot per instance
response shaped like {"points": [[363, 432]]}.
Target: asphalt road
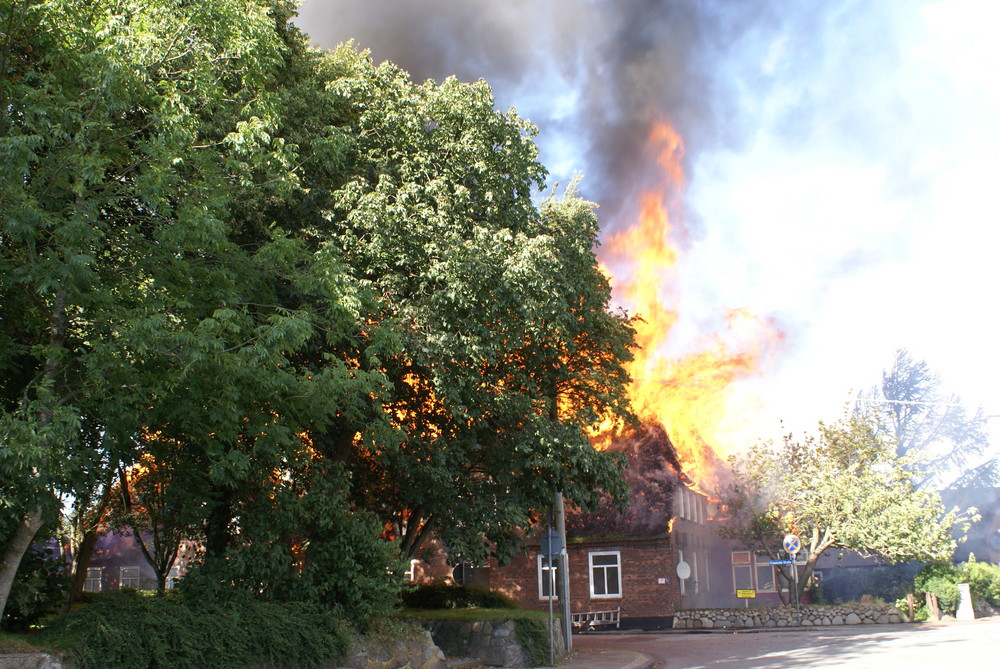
{"points": [[946, 645]]}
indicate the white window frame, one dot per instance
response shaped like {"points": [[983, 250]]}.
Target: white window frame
{"points": [[745, 561], [617, 566], [173, 576], [410, 574], [544, 579], [93, 581], [761, 562], [129, 581]]}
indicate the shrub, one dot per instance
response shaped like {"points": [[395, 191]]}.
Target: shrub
{"points": [[38, 591], [983, 579], [440, 595], [123, 630]]}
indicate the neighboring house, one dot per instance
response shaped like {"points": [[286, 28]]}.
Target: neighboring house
{"points": [[117, 563], [629, 560]]}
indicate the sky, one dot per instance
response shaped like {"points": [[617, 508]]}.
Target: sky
{"points": [[840, 162]]}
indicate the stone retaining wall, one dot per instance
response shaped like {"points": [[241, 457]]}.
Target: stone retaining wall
{"points": [[413, 653], [419, 653], [493, 643], [30, 661], [812, 616]]}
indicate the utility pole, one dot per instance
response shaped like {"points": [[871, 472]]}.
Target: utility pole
{"points": [[563, 571]]}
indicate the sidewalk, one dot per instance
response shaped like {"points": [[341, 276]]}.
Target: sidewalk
{"points": [[606, 659]]}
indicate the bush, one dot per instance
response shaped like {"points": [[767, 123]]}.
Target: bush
{"points": [[124, 630], [308, 548], [39, 590], [983, 579], [441, 595]]}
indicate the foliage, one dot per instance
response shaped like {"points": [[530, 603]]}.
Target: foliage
{"points": [[306, 544], [507, 349], [440, 595], [533, 636], [983, 579], [844, 487], [278, 291], [39, 590], [930, 426], [127, 629], [942, 579]]}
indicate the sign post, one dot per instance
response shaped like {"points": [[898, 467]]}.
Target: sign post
{"points": [[793, 546], [551, 547]]}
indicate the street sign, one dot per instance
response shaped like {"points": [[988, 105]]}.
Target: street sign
{"points": [[792, 544], [551, 545], [779, 562], [683, 570], [746, 594]]}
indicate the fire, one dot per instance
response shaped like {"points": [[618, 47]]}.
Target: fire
{"points": [[687, 392]]}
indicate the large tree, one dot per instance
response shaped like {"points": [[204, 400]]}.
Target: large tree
{"points": [[508, 350], [947, 441], [132, 294], [301, 271], [843, 487]]}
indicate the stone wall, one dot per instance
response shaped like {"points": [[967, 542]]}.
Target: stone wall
{"points": [[493, 643], [30, 661], [416, 653], [785, 616]]}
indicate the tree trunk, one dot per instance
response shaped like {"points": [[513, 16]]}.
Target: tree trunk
{"points": [[82, 561], [14, 552]]}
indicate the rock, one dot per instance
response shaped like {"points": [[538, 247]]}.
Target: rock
{"points": [[852, 619]]}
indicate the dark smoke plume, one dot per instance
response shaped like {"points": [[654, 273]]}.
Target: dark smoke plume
{"points": [[616, 65]]}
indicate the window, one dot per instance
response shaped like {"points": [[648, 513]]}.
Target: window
{"points": [[173, 576], [411, 574], [93, 580], [128, 577], [753, 572], [742, 572], [546, 574], [605, 574], [765, 574]]}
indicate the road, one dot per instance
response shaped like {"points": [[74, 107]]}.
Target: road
{"points": [[951, 645]]}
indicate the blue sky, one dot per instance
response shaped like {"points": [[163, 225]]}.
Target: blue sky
{"points": [[841, 162]]}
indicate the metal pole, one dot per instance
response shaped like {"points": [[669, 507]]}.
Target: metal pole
{"points": [[552, 584], [564, 605], [795, 574]]}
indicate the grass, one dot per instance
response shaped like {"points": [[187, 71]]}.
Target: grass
{"points": [[17, 643]]}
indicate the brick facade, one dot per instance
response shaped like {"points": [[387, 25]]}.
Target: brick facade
{"points": [[648, 582]]}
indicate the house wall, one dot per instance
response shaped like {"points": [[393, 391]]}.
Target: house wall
{"points": [[648, 590], [114, 550]]}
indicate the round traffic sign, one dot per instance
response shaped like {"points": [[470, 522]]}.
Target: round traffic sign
{"points": [[683, 570], [792, 544]]}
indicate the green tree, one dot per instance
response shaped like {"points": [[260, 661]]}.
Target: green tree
{"points": [[843, 487], [910, 407], [129, 300]]}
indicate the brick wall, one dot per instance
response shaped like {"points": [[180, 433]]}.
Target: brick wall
{"points": [[648, 582]]}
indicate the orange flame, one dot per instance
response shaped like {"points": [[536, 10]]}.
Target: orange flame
{"points": [[688, 393]]}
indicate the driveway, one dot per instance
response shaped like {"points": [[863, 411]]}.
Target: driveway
{"points": [[948, 645]]}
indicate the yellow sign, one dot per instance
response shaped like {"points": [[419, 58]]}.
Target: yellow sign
{"points": [[746, 594]]}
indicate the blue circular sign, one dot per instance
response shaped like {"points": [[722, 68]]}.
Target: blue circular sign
{"points": [[792, 543]]}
